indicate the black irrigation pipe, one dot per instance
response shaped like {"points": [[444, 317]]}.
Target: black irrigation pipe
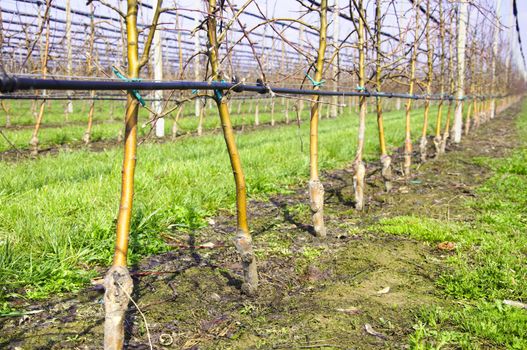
{"points": [[111, 97], [9, 84], [69, 98]]}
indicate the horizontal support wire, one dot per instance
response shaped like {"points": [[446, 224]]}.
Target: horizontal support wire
{"points": [[10, 84]]}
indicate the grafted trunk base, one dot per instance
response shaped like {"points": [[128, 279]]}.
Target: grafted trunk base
{"points": [[174, 130], [437, 145], [316, 201], [176, 120], [33, 143], [358, 184], [467, 126], [386, 171], [118, 287], [444, 141], [86, 138], [256, 116], [492, 109], [407, 164], [477, 121], [243, 244], [407, 156], [422, 148]]}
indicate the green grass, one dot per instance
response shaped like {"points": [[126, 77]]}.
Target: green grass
{"points": [[487, 267], [57, 130], [57, 218]]}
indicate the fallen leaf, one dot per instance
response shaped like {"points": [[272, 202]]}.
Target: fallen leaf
{"points": [[384, 291], [449, 246], [369, 329]]}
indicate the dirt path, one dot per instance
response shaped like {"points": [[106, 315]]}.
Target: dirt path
{"points": [[357, 290]]}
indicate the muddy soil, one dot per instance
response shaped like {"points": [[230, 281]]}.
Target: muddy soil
{"points": [[358, 289]]}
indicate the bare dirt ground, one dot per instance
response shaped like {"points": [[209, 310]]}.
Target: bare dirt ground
{"points": [[358, 289]]}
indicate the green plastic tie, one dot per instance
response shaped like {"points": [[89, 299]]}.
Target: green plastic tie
{"points": [[314, 82], [218, 93], [135, 93], [360, 88]]}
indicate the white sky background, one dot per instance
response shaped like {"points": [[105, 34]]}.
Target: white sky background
{"points": [[275, 8]]}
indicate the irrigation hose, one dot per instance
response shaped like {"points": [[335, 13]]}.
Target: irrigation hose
{"points": [[10, 84]]}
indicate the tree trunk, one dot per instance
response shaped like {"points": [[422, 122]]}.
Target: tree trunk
{"points": [[408, 135], [257, 114], [272, 112], [335, 68], [243, 239], [176, 120], [386, 160], [7, 114], [158, 76], [69, 65], [316, 189], [358, 165], [87, 134], [200, 121], [461, 41], [44, 70], [494, 59], [424, 142], [118, 284], [287, 111]]}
